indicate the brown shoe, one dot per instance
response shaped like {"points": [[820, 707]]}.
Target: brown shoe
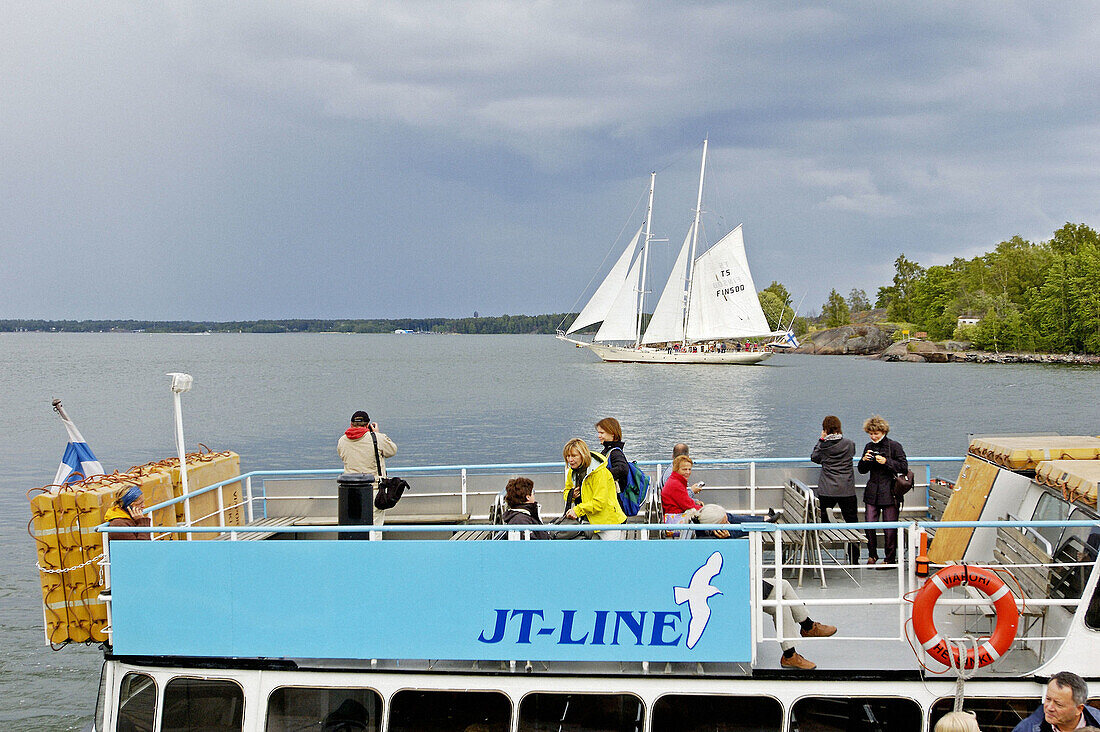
{"points": [[871, 560], [819, 630], [797, 661]]}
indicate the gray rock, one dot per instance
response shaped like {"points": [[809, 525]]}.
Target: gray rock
{"points": [[859, 340]]}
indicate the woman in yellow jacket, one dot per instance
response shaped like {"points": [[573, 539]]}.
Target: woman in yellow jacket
{"points": [[590, 490]]}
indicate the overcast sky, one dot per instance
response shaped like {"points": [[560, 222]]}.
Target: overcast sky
{"points": [[243, 160]]}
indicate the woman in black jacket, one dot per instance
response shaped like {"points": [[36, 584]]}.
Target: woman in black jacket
{"points": [[522, 509], [884, 459], [610, 434]]}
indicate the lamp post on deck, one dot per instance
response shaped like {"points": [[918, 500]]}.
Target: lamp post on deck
{"points": [[180, 384]]}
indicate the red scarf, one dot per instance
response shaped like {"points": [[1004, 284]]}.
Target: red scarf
{"points": [[354, 433]]}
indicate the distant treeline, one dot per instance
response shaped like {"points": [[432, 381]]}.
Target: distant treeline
{"points": [[1024, 296], [476, 325]]}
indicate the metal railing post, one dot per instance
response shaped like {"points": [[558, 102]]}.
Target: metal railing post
{"points": [[903, 551], [756, 559], [221, 507], [778, 592], [752, 488], [248, 493], [464, 492]]}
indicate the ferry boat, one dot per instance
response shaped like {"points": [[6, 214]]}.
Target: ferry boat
{"points": [[256, 609]]}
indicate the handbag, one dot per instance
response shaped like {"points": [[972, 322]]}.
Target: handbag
{"points": [[389, 492], [564, 520], [389, 489], [903, 483]]}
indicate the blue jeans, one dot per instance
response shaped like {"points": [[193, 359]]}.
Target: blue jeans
{"points": [[733, 518]]}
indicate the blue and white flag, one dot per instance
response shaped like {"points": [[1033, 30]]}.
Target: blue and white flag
{"points": [[788, 337], [79, 461]]}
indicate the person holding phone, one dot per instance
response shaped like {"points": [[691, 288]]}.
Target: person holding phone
{"points": [[128, 510], [882, 459], [676, 495], [836, 484]]}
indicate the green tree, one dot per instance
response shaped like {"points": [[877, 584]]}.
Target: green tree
{"points": [[1070, 238], [906, 275], [775, 301], [835, 310], [857, 300]]}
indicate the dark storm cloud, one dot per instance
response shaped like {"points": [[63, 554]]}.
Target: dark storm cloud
{"points": [[173, 160]]}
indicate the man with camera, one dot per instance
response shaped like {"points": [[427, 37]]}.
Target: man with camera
{"points": [[363, 448]]}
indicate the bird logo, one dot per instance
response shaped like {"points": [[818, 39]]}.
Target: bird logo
{"points": [[696, 595]]}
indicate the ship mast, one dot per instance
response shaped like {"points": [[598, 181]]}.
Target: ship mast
{"points": [[645, 261], [694, 240]]}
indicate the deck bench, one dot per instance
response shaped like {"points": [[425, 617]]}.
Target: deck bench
{"points": [[282, 522], [1014, 547], [275, 522], [939, 494], [801, 505]]}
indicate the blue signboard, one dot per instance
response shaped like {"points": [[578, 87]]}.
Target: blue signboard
{"points": [[488, 600]]}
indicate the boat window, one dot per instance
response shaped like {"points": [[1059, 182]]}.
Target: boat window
{"points": [[855, 713], [450, 711], [1078, 544], [992, 713], [210, 705], [697, 713], [543, 712], [293, 708], [1051, 508], [137, 703]]}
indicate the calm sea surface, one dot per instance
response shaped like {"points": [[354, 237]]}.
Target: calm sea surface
{"points": [[281, 401]]}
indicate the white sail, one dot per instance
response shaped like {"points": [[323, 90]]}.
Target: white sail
{"points": [[723, 302], [597, 308], [667, 323], [621, 321]]}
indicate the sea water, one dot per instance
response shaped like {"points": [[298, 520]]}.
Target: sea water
{"points": [[281, 401]]}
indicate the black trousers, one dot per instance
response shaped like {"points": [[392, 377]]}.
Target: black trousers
{"points": [[850, 512]]}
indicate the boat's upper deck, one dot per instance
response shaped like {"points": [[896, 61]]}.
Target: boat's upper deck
{"points": [[646, 605]]}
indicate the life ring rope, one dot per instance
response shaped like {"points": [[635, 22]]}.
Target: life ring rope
{"points": [[944, 651]]}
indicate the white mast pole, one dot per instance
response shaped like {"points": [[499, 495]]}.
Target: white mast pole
{"points": [[694, 238], [180, 384], [645, 260]]}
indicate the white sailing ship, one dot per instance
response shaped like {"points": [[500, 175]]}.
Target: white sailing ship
{"points": [[708, 301]]}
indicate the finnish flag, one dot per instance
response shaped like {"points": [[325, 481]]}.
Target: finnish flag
{"points": [[79, 461], [791, 339]]}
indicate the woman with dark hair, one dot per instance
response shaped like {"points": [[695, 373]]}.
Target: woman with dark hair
{"points": [[836, 485], [521, 508], [610, 434], [884, 459]]}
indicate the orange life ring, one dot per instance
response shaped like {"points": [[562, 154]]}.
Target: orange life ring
{"points": [[993, 587]]}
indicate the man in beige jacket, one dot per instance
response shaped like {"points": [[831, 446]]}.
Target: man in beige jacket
{"points": [[357, 449]]}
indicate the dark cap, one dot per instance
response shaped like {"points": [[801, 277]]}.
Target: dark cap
{"points": [[360, 417]]}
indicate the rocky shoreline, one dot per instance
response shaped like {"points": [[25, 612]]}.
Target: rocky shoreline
{"points": [[870, 340]]}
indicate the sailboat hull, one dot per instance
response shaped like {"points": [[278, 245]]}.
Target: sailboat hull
{"points": [[647, 355]]}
